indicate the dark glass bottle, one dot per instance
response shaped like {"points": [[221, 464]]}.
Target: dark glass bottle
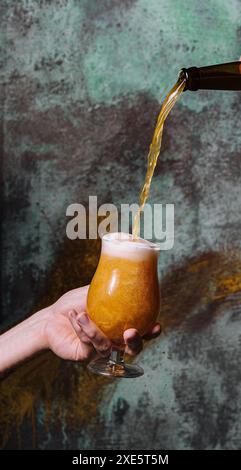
{"points": [[213, 77]]}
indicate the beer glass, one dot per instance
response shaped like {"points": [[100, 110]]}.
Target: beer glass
{"points": [[124, 293]]}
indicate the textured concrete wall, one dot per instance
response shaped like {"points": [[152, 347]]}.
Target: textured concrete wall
{"points": [[81, 87]]}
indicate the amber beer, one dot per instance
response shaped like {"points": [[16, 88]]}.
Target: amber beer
{"points": [[124, 292]]}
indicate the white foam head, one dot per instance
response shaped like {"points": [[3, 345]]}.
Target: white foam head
{"points": [[123, 245]]}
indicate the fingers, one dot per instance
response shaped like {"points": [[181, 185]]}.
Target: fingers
{"points": [[153, 333], [89, 332], [133, 342], [83, 351], [78, 330]]}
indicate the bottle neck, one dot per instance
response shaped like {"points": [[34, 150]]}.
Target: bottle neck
{"points": [[213, 77]]}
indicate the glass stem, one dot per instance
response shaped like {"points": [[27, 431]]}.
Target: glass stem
{"points": [[117, 357]]}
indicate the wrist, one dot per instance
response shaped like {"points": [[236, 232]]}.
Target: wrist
{"points": [[39, 322]]}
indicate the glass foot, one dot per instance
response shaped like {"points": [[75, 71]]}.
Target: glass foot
{"points": [[110, 368]]}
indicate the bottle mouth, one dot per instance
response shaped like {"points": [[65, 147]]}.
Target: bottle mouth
{"points": [[191, 77], [125, 240], [183, 77]]}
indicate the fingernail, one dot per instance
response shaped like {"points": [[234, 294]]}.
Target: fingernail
{"points": [[133, 342], [83, 319]]}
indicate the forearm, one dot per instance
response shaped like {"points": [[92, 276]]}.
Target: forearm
{"points": [[23, 340]]}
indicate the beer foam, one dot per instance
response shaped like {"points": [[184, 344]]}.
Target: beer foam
{"points": [[123, 245]]}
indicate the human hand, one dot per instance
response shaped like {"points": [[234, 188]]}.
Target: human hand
{"points": [[71, 334]]}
